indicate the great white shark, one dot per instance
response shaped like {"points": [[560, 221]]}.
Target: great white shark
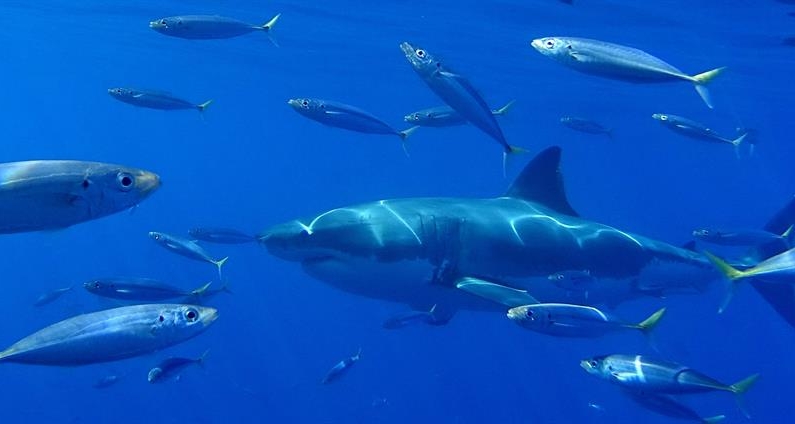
{"points": [[441, 251]]}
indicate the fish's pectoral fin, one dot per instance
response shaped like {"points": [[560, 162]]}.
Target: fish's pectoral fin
{"points": [[495, 292]]}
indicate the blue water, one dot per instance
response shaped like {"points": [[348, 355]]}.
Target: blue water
{"points": [[253, 162]]}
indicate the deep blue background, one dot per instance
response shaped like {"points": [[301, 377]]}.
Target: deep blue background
{"points": [[254, 162]]}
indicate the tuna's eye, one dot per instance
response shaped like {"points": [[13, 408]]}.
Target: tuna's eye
{"points": [[192, 315], [550, 44], [530, 314], [593, 363], [125, 181], [97, 285], [420, 53], [663, 117], [304, 103]]}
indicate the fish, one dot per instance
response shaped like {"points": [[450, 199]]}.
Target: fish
{"points": [[221, 235], [111, 335], [445, 116], [619, 62], [106, 381], [46, 195], [567, 320], [741, 237], [171, 368], [51, 296], [654, 376], [341, 368], [483, 253], [573, 280], [458, 93], [154, 99], [695, 130], [209, 27], [411, 317], [139, 289], [187, 248], [340, 115], [667, 406], [205, 292], [779, 269], [586, 126]]}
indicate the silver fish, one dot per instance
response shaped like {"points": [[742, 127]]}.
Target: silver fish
{"points": [[667, 406], [619, 62], [207, 27], [171, 367], [341, 367], [111, 335], [340, 115], [51, 296], [407, 318], [565, 320], [106, 381], [154, 99], [134, 288], [779, 269], [445, 116], [695, 130], [586, 126], [53, 194], [187, 248], [221, 235], [741, 237]]}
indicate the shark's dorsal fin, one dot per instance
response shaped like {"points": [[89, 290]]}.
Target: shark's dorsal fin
{"points": [[542, 182]]}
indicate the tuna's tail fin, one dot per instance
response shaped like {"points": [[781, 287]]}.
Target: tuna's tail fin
{"points": [[200, 290], [732, 274], [740, 388], [405, 135], [789, 236], [268, 28], [203, 106], [503, 110], [358, 355], [220, 263], [200, 360], [713, 420], [649, 324], [704, 78]]}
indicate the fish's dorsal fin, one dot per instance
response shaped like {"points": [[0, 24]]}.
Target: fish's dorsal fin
{"points": [[542, 182]]}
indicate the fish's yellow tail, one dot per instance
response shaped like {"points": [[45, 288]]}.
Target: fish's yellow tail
{"points": [[713, 420], [509, 152], [268, 28], [220, 263], [404, 135], [200, 290], [704, 78], [734, 276], [651, 322], [503, 110], [741, 387], [203, 106]]}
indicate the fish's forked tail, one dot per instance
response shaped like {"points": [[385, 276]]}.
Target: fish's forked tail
{"points": [[220, 263], [200, 290], [200, 360], [789, 236], [503, 110], [713, 420], [701, 80], [268, 28], [203, 106], [357, 356], [404, 135], [735, 276], [649, 324], [510, 152], [740, 388]]}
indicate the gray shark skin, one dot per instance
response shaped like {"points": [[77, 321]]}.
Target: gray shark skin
{"points": [[416, 250]]}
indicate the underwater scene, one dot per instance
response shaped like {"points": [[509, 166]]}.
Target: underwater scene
{"points": [[507, 211]]}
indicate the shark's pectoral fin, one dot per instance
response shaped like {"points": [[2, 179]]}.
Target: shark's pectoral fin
{"points": [[507, 296]]}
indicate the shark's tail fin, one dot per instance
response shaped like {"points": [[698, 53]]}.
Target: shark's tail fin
{"points": [[701, 80], [740, 388]]}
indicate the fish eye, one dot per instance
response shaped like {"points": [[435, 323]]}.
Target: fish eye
{"points": [[550, 44], [304, 103], [125, 181], [97, 285], [530, 315], [192, 315], [420, 53], [161, 318], [663, 117], [593, 363]]}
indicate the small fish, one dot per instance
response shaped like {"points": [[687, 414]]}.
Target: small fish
{"points": [[135, 288], [106, 381], [341, 368], [652, 376], [596, 407], [221, 235], [412, 317], [667, 406], [574, 280], [186, 248], [744, 237], [565, 320], [458, 93], [154, 99], [111, 335], [586, 126], [171, 367], [779, 269], [619, 62], [51, 296], [208, 27], [340, 115], [45, 195], [445, 116], [695, 130], [204, 292]]}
